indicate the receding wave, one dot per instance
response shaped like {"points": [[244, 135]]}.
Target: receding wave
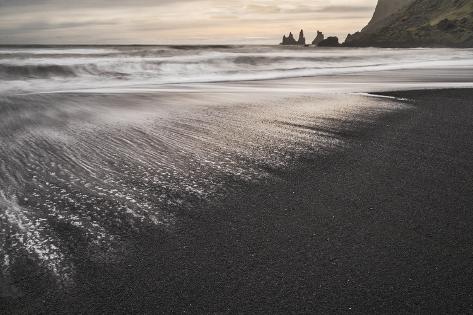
{"points": [[80, 174]]}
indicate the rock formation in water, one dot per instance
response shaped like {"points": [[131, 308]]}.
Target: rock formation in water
{"points": [[301, 40], [418, 23], [290, 40], [318, 39], [284, 40], [330, 42]]}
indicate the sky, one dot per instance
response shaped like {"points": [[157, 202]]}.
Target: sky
{"points": [[176, 21]]}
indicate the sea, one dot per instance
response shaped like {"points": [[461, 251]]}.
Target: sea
{"points": [[108, 68], [101, 143]]}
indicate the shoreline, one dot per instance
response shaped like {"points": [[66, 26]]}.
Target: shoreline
{"points": [[382, 224]]}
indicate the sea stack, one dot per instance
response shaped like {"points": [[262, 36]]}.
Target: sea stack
{"points": [[289, 40], [330, 42], [301, 40], [318, 39]]}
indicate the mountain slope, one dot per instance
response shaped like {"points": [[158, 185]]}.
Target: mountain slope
{"points": [[428, 23], [384, 9]]}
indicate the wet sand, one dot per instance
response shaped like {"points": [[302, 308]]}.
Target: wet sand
{"points": [[382, 225]]}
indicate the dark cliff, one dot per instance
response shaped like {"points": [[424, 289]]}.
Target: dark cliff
{"points": [[418, 23], [384, 10]]}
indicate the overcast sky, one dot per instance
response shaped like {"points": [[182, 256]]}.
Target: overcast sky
{"points": [[175, 21]]}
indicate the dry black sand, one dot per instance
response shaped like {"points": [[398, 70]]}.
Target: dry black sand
{"points": [[385, 226]]}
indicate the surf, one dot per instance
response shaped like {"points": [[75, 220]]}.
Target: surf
{"points": [[33, 70]]}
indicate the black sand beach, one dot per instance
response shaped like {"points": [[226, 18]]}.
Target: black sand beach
{"points": [[384, 225]]}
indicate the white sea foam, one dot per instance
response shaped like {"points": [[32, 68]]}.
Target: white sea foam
{"points": [[91, 169], [81, 173], [43, 70]]}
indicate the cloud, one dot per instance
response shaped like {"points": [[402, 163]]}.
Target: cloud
{"points": [[42, 25], [16, 3], [345, 9], [85, 3], [261, 8], [179, 21]]}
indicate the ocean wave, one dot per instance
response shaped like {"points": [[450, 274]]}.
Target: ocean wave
{"points": [[24, 72], [33, 70]]}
